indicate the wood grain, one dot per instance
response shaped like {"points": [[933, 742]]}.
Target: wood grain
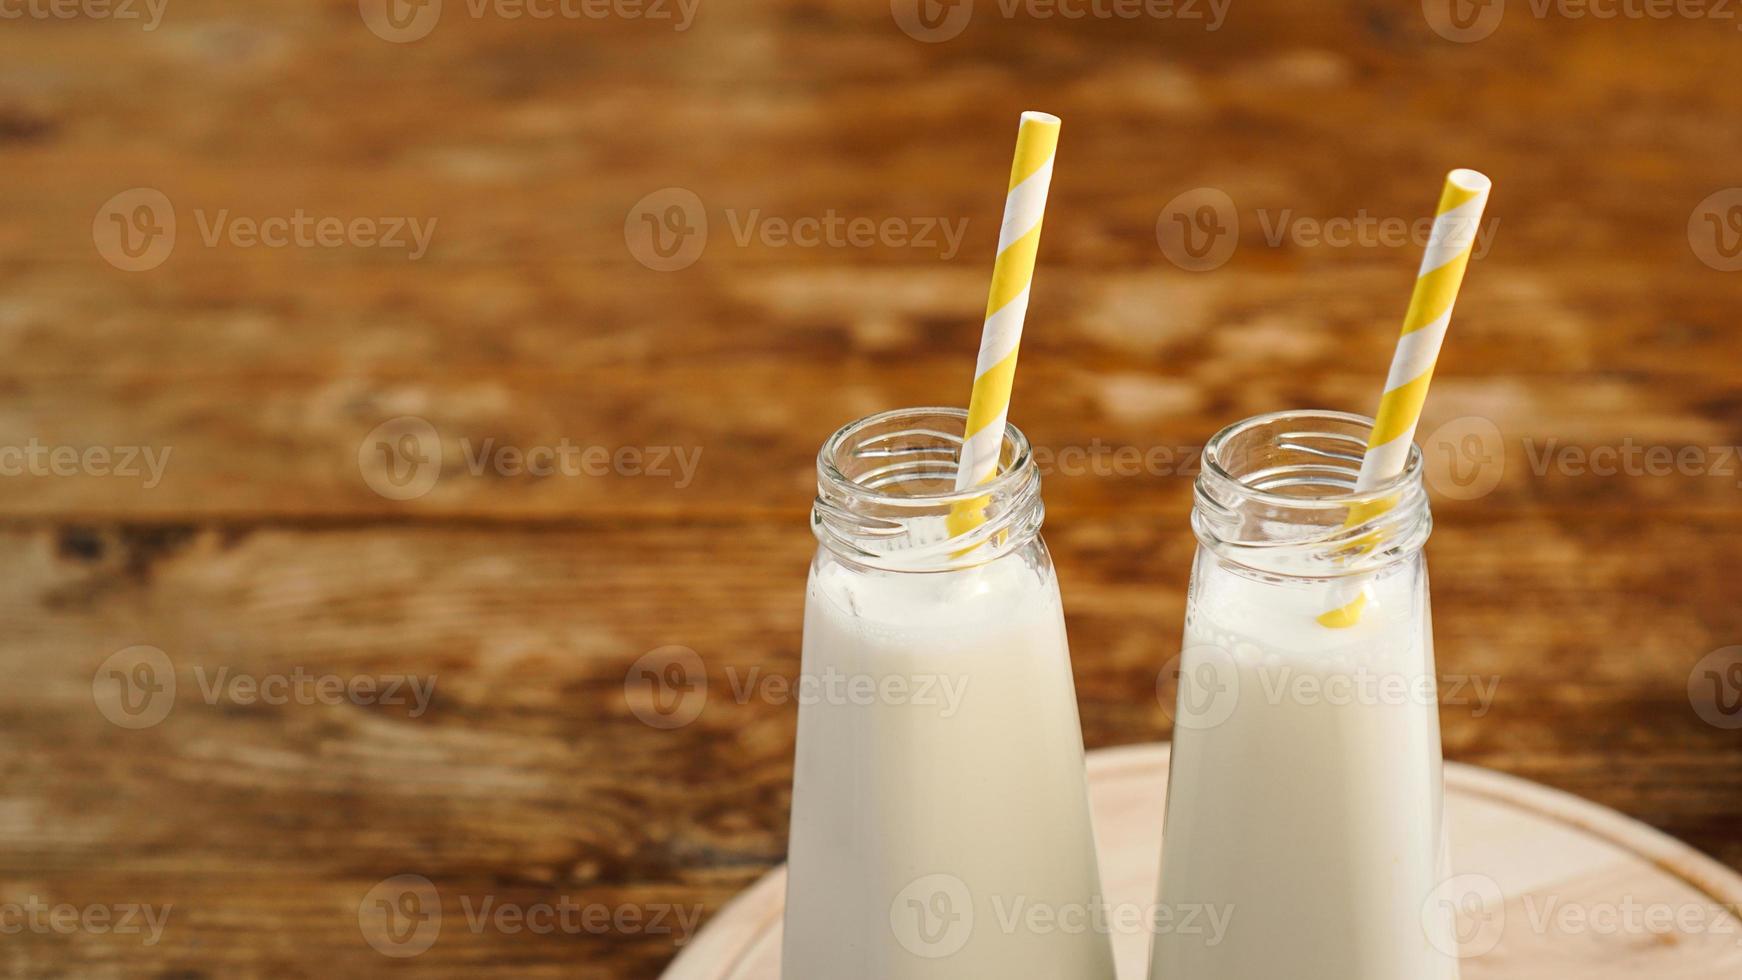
{"points": [[530, 777], [265, 550]]}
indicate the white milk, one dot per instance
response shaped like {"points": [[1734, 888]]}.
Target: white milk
{"points": [[1305, 794], [931, 818]]}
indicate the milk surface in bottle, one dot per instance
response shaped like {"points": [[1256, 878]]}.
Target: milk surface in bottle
{"points": [[1305, 793], [939, 793]]}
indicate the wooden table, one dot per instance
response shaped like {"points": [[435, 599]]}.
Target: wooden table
{"points": [[274, 549]]}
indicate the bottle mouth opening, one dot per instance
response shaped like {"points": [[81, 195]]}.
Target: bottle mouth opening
{"points": [[887, 497], [1277, 493], [907, 457], [1302, 459]]}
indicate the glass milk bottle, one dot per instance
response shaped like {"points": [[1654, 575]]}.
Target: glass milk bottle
{"points": [[940, 819], [1305, 799]]}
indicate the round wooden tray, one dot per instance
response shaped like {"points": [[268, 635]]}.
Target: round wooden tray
{"points": [[1587, 893]]}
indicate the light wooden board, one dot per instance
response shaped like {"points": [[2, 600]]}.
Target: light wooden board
{"points": [[1563, 864]]}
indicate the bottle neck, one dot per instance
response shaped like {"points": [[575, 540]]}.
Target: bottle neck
{"points": [[1276, 494], [886, 494]]}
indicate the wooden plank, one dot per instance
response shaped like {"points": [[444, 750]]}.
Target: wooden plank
{"points": [[1319, 311], [650, 445]]}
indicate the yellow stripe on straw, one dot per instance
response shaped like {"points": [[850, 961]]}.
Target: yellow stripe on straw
{"points": [[1418, 347], [1006, 308]]}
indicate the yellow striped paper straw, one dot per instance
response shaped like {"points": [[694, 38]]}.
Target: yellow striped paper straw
{"points": [[1006, 306], [1412, 365]]}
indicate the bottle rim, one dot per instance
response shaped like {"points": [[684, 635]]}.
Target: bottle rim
{"points": [[1213, 466], [858, 515], [1276, 493], [1020, 469]]}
